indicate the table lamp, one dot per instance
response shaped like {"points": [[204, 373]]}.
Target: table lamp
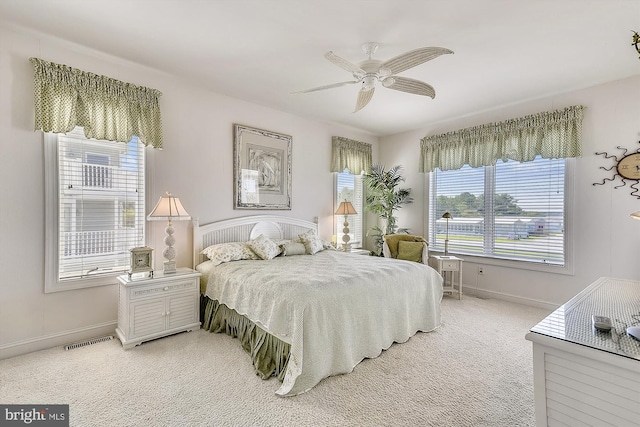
{"points": [[346, 208], [447, 216], [169, 208]]}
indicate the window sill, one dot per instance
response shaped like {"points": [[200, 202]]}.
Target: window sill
{"points": [[54, 285]]}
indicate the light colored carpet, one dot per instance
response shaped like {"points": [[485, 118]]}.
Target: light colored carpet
{"points": [[475, 370]]}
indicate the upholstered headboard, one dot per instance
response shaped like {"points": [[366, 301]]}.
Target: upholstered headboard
{"points": [[246, 228]]}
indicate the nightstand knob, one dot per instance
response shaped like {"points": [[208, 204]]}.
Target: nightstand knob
{"points": [[166, 288]]}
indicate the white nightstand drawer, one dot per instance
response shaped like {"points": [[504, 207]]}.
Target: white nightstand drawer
{"points": [[162, 288], [450, 265]]}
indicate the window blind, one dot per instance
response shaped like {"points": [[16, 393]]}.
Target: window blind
{"points": [[513, 210], [349, 188], [100, 204]]}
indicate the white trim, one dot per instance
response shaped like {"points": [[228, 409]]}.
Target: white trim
{"points": [[569, 217], [52, 283], [485, 294], [57, 339], [569, 248]]}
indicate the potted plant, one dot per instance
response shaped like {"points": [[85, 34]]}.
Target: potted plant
{"points": [[384, 198]]}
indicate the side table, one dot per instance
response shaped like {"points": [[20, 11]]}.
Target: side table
{"points": [[451, 265], [158, 306]]}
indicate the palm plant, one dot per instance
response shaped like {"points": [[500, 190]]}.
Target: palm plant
{"points": [[384, 198]]}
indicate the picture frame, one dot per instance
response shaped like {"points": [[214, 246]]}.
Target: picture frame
{"points": [[261, 168], [141, 261]]}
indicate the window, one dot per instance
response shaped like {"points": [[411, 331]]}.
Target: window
{"points": [[95, 208], [349, 187], [513, 210]]}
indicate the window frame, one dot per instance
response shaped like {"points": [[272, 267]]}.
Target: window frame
{"points": [[52, 282], [569, 208]]}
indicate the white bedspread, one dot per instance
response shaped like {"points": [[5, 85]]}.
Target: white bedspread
{"points": [[334, 308]]}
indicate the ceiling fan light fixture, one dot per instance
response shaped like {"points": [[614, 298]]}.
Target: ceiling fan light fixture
{"points": [[388, 82], [369, 82], [384, 73]]}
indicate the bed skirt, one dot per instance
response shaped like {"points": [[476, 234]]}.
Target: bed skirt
{"points": [[269, 354]]}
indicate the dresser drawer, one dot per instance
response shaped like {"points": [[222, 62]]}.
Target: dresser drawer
{"points": [[158, 290]]}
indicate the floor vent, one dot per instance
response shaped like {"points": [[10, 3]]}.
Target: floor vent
{"points": [[88, 342]]}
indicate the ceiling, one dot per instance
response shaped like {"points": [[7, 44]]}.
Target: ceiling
{"points": [[262, 50]]}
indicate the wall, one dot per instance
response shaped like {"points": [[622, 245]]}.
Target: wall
{"points": [[605, 238], [196, 165]]}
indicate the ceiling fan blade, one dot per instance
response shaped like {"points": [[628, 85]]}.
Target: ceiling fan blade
{"points": [[416, 87], [343, 63], [331, 86], [413, 58], [364, 96]]}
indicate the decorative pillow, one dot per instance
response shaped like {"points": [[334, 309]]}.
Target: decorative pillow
{"points": [[392, 241], [312, 242], [281, 242], [264, 247], [225, 252], [328, 245], [293, 248], [411, 251]]}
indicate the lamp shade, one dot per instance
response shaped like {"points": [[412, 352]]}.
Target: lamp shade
{"points": [[346, 208], [635, 215], [169, 208], [446, 215]]}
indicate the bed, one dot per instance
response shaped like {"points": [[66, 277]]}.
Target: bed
{"points": [[306, 317]]}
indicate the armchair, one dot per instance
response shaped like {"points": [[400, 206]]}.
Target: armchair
{"points": [[406, 246]]}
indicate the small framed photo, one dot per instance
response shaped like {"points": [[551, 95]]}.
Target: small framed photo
{"points": [[262, 169]]}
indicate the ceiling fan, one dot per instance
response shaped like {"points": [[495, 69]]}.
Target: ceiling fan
{"points": [[370, 71]]}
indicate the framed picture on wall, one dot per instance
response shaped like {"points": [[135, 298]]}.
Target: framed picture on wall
{"points": [[261, 168]]}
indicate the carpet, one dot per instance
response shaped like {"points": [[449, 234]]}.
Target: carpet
{"points": [[475, 370]]}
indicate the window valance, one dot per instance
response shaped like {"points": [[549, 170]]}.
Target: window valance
{"points": [[554, 134], [349, 154], [108, 109]]}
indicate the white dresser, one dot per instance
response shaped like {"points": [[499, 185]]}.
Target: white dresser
{"points": [[583, 377], [157, 306]]}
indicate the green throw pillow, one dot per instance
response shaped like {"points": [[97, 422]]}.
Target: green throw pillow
{"points": [[411, 251]]}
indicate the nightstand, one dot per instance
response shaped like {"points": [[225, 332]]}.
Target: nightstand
{"points": [[449, 267], [154, 307]]}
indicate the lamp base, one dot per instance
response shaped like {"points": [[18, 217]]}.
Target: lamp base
{"points": [[346, 246], [169, 267]]}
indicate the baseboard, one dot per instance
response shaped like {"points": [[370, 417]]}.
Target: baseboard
{"points": [[483, 293], [58, 339]]}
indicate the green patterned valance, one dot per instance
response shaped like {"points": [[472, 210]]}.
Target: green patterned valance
{"points": [[554, 134], [108, 109], [349, 154]]}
